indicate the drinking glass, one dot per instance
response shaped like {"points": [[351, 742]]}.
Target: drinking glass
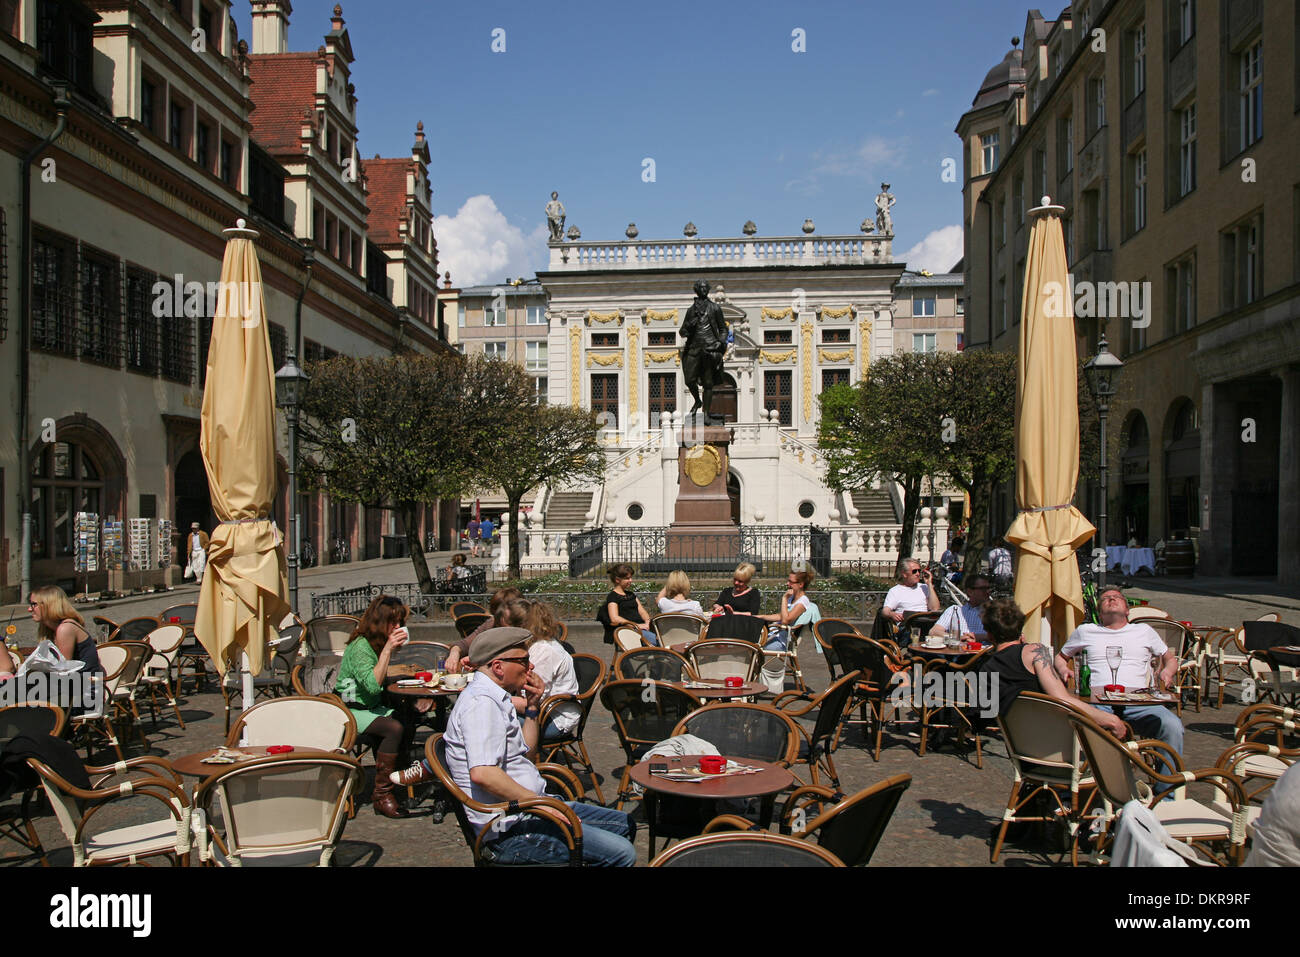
{"points": [[1114, 657]]}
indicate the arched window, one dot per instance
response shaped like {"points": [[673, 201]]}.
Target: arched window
{"points": [[66, 479]]}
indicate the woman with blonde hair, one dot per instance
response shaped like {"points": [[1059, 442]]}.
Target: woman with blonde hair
{"points": [[739, 599], [675, 596], [57, 620], [554, 666]]}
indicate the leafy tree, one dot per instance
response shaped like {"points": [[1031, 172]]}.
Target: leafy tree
{"points": [[549, 444], [887, 426], [400, 431]]}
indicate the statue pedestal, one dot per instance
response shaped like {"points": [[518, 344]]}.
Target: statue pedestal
{"points": [[702, 536]]}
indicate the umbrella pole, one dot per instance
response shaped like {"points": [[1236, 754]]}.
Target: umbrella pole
{"points": [[246, 680]]}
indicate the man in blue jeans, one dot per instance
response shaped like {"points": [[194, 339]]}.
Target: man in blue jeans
{"points": [[487, 757]]}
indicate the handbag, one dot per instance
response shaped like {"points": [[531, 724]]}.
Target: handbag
{"points": [[189, 571]]}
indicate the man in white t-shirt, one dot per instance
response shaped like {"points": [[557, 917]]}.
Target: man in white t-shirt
{"points": [[1140, 644], [912, 593], [968, 617]]}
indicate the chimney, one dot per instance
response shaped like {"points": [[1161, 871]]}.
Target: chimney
{"points": [[271, 26]]}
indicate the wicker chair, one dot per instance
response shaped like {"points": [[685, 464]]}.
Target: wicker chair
{"points": [[1188, 648], [97, 723], [550, 809], [159, 671], [1122, 775], [271, 682], [645, 713], [832, 708], [723, 658], [877, 665], [135, 629], [120, 693], [628, 637], [467, 624], [657, 664], [284, 809], [105, 626], [1269, 643], [192, 657], [959, 706], [590, 672], [330, 634], [33, 720], [742, 730], [1146, 612], [152, 778], [421, 655], [826, 629], [1046, 758], [673, 628], [459, 608], [746, 628], [745, 849], [304, 722]]}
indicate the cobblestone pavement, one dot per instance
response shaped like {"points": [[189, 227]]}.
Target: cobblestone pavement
{"points": [[945, 819]]}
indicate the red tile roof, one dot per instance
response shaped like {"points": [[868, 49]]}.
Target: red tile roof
{"points": [[284, 85], [386, 186]]}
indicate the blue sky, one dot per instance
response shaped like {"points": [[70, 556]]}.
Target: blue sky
{"points": [[739, 126]]}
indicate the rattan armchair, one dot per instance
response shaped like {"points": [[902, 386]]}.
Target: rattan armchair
{"points": [[876, 664], [330, 634], [121, 691], [645, 713], [135, 629], [304, 722], [628, 637], [657, 664], [160, 669], [1190, 652], [823, 632], [459, 608], [958, 706], [421, 655], [742, 730], [745, 849], [832, 707], [97, 723], [676, 627], [725, 657], [32, 719]]}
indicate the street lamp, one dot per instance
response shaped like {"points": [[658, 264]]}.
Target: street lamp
{"points": [[290, 383], [1101, 370]]}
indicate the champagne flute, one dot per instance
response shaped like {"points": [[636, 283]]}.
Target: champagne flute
{"points": [[1114, 657]]}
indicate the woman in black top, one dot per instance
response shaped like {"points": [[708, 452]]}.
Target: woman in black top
{"points": [[622, 607], [739, 599], [57, 620]]}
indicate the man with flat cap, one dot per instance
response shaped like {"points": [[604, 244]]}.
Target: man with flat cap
{"points": [[487, 756]]}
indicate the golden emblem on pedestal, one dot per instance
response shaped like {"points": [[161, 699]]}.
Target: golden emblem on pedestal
{"points": [[704, 463]]}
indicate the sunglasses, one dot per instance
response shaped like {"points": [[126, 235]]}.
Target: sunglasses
{"points": [[516, 660]]}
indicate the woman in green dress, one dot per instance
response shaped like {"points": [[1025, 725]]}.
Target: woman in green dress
{"points": [[360, 684]]}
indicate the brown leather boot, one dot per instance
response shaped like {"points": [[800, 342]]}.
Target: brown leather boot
{"points": [[385, 803]]}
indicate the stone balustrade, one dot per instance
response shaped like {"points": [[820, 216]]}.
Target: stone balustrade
{"points": [[743, 251]]}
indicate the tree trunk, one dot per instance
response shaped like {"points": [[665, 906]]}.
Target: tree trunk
{"points": [[911, 502], [977, 530], [410, 514], [514, 498]]}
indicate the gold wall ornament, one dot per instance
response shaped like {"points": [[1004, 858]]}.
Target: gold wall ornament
{"points": [[864, 337], [595, 360], [656, 315], [704, 463], [670, 356], [807, 330], [765, 356], [830, 313], [615, 316], [633, 377], [826, 355], [575, 364], [786, 313]]}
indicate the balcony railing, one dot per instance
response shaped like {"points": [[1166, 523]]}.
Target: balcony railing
{"points": [[744, 251]]}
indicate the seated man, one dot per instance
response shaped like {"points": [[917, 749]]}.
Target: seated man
{"points": [[966, 618], [1027, 666], [912, 593], [487, 756], [1139, 643]]}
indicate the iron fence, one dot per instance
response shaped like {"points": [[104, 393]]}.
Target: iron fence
{"points": [[662, 549]]}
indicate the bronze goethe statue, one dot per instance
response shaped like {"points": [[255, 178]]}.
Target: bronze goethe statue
{"points": [[705, 332]]}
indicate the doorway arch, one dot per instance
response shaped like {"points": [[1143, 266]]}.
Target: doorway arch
{"points": [[193, 499], [733, 493]]}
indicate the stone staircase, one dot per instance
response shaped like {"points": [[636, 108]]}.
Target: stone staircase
{"points": [[875, 506], [567, 510]]}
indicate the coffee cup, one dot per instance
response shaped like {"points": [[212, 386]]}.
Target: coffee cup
{"points": [[454, 682]]}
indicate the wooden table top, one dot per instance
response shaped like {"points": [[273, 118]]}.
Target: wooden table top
{"points": [[720, 691], [191, 765], [771, 779], [1166, 698]]}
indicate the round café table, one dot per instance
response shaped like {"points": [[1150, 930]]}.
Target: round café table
{"points": [[766, 783], [191, 765], [924, 651], [715, 690]]}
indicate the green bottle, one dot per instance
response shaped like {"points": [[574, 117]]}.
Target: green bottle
{"points": [[1085, 676]]}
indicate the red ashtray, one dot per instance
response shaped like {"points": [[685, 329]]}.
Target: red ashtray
{"points": [[712, 764], [279, 749], [1113, 689], [733, 682], [424, 675], [1185, 624], [175, 620]]}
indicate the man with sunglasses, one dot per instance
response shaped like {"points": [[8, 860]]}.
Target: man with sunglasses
{"points": [[914, 592], [966, 618], [487, 756]]}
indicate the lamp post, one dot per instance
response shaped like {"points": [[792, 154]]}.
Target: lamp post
{"points": [[1101, 370], [290, 381]]}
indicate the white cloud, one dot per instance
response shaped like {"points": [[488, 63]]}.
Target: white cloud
{"points": [[478, 245], [930, 92], [863, 162], [937, 252]]}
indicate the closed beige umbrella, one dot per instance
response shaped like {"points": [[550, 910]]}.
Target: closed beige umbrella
{"points": [[243, 598], [1049, 528]]}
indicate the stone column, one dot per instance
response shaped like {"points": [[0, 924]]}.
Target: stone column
{"points": [[1219, 435], [1288, 480]]}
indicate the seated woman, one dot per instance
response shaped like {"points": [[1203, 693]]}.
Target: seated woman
{"points": [[360, 684], [622, 607], [795, 605], [1027, 666], [57, 620], [457, 569], [458, 658], [554, 666], [675, 596], [739, 599]]}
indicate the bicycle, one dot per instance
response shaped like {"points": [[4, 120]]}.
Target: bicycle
{"points": [[340, 553], [308, 555]]}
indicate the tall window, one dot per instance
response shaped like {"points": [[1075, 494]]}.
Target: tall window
{"points": [[1137, 337], [604, 397], [777, 394], [66, 479], [540, 385], [494, 350], [54, 297], [1139, 161], [227, 170], [1241, 263], [1065, 152], [1187, 150], [101, 311], [536, 316], [203, 145], [177, 351], [1000, 305], [1180, 294], [1040, 174], [1018, 199], [837, 335], [1096, 105], [1139, 64], [1002, 222], [494, 314], [535, 353], [1186, 20], [833, 377], [1252, 94], [924, 342], [176, 127], [148, 106], [460, 315], [141, 325], [663, 395], [923, 305], [989, 151]]}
